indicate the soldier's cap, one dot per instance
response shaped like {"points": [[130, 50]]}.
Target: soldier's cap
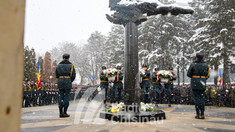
{"points": [[199, 56], [156, 69], [170, 68], [119, 67], [144, 65], [66, 56], [103, 67]]}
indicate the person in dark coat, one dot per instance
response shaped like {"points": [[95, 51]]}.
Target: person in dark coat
{"points": [[199, 72], [156, 82], [29, 94], [65, 72], [118, 85], [104, 83], [40, 94], [169, 87], [145, 84]]}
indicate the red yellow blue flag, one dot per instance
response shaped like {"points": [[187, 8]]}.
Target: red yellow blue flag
{"points": [[220, 77], [38, 82], [95, 80], [90, 80]]}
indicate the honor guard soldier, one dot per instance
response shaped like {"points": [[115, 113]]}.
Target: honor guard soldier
{"points": [[33, 93], [118, 85], [213, 95], [49, 93], [65, 72], [46, 93], [28, 94], [232, 95], [56, 93], [199, 72], [170, 86], [25, 92], [220, 96], [104, 83], [41, 94], [156, 82], [29, 89], [145, 84]]}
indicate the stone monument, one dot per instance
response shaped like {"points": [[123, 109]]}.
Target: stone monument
{"points": [[131, 13]]}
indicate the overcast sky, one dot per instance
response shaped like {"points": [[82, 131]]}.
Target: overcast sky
{"points": [[49, 22]]}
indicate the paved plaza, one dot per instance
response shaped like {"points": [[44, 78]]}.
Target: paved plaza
{"points": [[84, 117]]}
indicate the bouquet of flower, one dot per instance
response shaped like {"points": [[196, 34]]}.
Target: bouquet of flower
{"points": [[164, 75], [146, 107], [111, 73], [143, 107], [116, 108], [142, 73]]}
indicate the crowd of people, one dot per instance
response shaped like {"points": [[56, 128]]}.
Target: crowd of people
{"points": [[214, 95], [47, 94]]}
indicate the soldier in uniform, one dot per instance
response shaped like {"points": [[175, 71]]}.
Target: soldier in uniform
{"points": [[118, 85], [227, 100], [232, 96], [56, 93], [220, 96], [53, 94], [207, 96], [40, 94], [65, 72], [49, 94], [24, 94], [156, 82], [199, 72], [29, 93], [169, 86], [213, 95], [33, 93], [145, 84], [104, 83], [46, 93]]}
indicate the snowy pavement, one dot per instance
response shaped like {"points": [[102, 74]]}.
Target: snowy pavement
{"points": [[85, 118]]}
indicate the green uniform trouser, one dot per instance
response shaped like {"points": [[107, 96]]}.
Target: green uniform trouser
{"points": [[104, 90], [64, 98], [158, 92], [118, 86], [145, 84], [199, 99], [26, 99], [169, 87]]}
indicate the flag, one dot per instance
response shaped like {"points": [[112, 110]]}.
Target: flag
{"points": [[90, 80], [38, 82], [220, 77], [95, 80]]}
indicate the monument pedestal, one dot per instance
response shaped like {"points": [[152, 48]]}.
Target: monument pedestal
{"points": [[131, 111]]}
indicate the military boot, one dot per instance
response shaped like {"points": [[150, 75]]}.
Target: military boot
{"points": [[65, 113], [169, 103], [202, 115], [197, 116], [61, 113]]}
